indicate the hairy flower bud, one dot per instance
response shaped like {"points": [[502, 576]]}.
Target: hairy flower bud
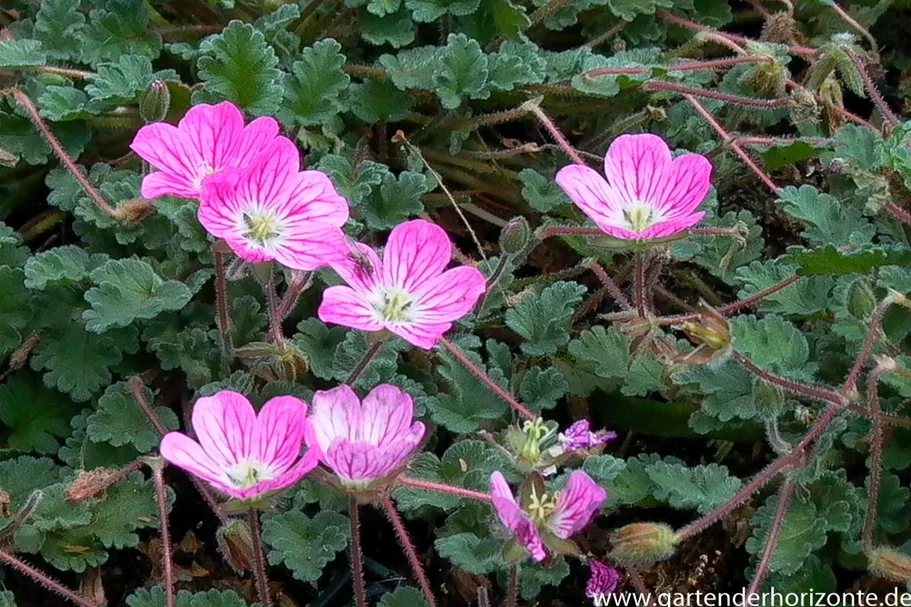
{"points": [[90, 483], [890, 564], [860, 300], [155, 102], [135, 210], [711, 333], [516, 237], [235, 542], [641, 543]]}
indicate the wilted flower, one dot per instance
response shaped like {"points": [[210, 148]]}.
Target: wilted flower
{"points": [[579, 436], [409, 292], [239, 452], [560, 516], [266, 211], [363, 442], [209, 139], [647, 193], [603, 580]]}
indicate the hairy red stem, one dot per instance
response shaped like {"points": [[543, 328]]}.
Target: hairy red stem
{"points": [[45, 581], [785, 495], [431, 486], [405, 540], [259, 559], [167, 564], [357, 555]]}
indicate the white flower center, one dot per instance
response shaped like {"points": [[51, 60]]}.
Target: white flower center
{"points": [[249, 474], [640, 216], [261, 227], [394, 305]]}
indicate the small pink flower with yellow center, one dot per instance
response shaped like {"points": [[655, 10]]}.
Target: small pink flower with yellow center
{"points": [[209, 139], [364, 442], [543, 517], [409, 292], [267, 211], [240, 453], [647, 194]]}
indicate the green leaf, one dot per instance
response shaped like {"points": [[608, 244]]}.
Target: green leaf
{"points": [[702, 488], [542, 388], [60, 266], [627, 481], [403, 596], [122, 30], [120, 421], [353, 181], [239, 66], [727, 391], [35, 416], [773, 344], [191, 350], [379, 101], [463, 72], [397, 199], [516, 64], [830, 221], [630, 9], [603, 351], [829, 260], [155, 597], [21, 53], [510, 19], [805, 298], [59, 25], [8, 600], [534, 576], [318, 342], [471, 553], [397, 29], [544, 320], [12, 251], [21, 139], [541, 192], [125, 79], [61, 103], [128, 290], [15, 309], [313, 90], [351, 352], [426, 11], [414, 68], [305, 545], [21, 476]]}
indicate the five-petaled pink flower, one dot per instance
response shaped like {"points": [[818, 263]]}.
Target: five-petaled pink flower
{"points": [[364, 442], [647, 193], [209, 139], [410, 292], [239, 452], [562, 515], [603, 580], [266, 211]]}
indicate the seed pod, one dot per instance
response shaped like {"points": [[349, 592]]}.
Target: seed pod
{"points": [[642, 543], [890, 564], [155, 102], [235, 542]]}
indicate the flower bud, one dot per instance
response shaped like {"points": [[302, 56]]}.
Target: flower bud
{"points": [[90, 483], [860, 300], [516, 237], [769, 398], [235, 542], [890, 564], [135, 210], [154, 105], [642, 543]]}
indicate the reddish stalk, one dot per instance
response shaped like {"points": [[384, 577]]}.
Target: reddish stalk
{"points": [[733, 307], [157, 465], [430, 486], [405, 541], [639, 286], [468, 364], [876, 455], [680, 67], [535, 109], [785, 495], [364, 362], [815, 392], [876, 320], [671, 87], [259, 560], [608, 283], [61, 153], [873, 90], [45, 581], [639, 584], [840, 110], [898, 212], [730, 141], [512, 593], [357, 555], [221, 303], [856, 25]]}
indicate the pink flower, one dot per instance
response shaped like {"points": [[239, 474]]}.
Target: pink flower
{"points": [[363, 442], [603, 580], [579, 436], [409, 292], [514, 518], [266, 211], [647, 194], [207, 140], [240, 453], [562, 515]]}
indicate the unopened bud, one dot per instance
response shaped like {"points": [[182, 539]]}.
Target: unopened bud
{"points": [[890, 564], [830, 92], [768, 397], [289, 362], [135, 210], [804, 108], [780, 28], [642, 543], [769, 77], [155, 102], [516, 237], [712, 329], [90, 483], [235, 542], [860, 299]]}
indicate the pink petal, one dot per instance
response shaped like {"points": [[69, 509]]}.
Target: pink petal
{"points": [[577, 505], [344, 306], [362, 463], [224, 424], [279, 432], [161, 183], [387, 414], [635, 166], [255, 138], [673, 226], [603, 580], [424, 335], [450, 295], [684, 187], [361, 276], [336, 415], [168, 149], [514, 518], [184, 452], [290, 476], [215, 131], [416, 251], [270, 177], [220, 207], [312, 198], [247, 251], [311, 247], [590, 192]]}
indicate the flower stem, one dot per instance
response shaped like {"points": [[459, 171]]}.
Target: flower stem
{"points": [[608, 283], [430, 486], [876, 456], [259, 561], [157, 466], [853, 23], [639, 584], [670, 87], [680, 67], [535, 108], [364, 362], [298, 285], [468, 364], [512, 594], [62, 154], [275, 319], [357, 556], [876, 320], [547, 232], [640, 286], [733, 307], [898, 212], [405, 541], [810, 391], [873, 90], [221, 303], [785, 494], [44, 580]]}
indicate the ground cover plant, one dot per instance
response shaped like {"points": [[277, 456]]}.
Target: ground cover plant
{"points": [[452, 302]]}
